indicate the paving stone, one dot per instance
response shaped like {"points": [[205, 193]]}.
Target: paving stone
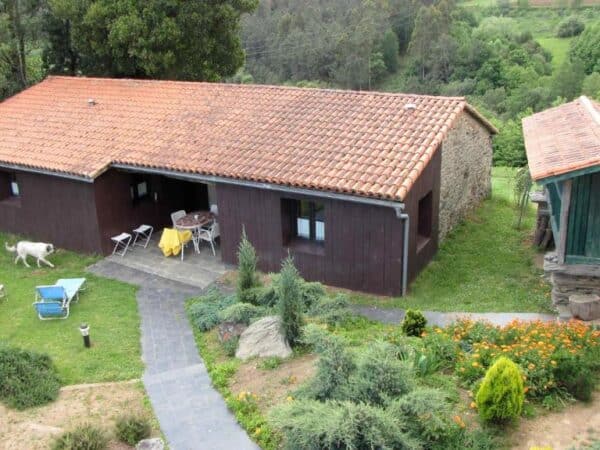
{"points": [[191, 413]]}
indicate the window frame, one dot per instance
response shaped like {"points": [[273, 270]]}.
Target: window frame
{"points": [[312, 220], [134, 189]]}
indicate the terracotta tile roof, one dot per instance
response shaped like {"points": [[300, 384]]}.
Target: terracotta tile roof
{"points": [[358, 143], [563, 139]]}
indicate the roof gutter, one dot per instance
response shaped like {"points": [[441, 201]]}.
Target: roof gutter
{"points": [[46, 172], [265, 186], [396, 206]]}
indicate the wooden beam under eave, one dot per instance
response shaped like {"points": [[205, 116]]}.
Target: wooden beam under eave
{"points": [[561, 247]]}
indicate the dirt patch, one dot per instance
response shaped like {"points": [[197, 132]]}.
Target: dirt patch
{"points": [[273, 386], [575, 426], [98, 404]]}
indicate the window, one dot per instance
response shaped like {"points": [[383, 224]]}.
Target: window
{"points": [[304, 220], [425, 219], [14, 186], [139, 189], [9, 187]]}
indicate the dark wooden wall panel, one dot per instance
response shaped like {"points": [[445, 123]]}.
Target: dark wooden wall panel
{"points": [[53, 209], [363, 244], [117, 213]]}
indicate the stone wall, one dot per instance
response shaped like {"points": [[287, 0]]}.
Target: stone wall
{"points": [[466, 171], [570, 279]]}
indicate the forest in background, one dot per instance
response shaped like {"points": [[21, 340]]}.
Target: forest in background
{"points": [[507, 58]]}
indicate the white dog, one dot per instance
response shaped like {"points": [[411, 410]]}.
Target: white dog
{"points": [[38, 250]]}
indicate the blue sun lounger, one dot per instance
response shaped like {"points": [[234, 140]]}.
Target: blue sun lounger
{"points": [[53, 302]]}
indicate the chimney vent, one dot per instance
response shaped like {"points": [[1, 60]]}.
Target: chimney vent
{"points": [[91, 102], [410, 107]]}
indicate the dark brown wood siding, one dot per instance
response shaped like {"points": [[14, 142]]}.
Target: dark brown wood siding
{"points": [[363, 244], [52, 209], [117, 212], [428, 181]]}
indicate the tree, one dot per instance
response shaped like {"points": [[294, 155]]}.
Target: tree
{"points": [[501, 394], [176, 39], [247, 260], [568, 80], [389, 51], [591, 86], [290, 304], [587, 48]]}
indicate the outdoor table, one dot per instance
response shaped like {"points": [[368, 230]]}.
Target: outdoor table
{"points": [[194, 221]]}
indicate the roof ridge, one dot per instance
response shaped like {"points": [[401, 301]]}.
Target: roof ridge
{"points": [[589, 107], [265, 86]]}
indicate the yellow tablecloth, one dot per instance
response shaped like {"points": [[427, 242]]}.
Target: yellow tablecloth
{"points": [[172, 240]]}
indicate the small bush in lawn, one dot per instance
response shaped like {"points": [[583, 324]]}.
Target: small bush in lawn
{"points": [[441, 348], [334, 366], [204, 312], [310, 424], [571, 26], [290, 307], [270, 363], [426, 414], [380, 374], [230, 346], [500, 396], [85, 437], [333, 311], [573, 374], [239, 313], [247, 260], [132, 429], [414, 323], [26, 378]]}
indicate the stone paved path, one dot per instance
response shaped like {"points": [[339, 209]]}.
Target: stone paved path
{"points": [[441, 319], [192, 414]]}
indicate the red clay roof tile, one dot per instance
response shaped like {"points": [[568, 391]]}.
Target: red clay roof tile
{"points": [[362, 143], [563, 139]]}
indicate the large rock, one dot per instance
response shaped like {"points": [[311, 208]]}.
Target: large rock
{"points": [[263, 338]]}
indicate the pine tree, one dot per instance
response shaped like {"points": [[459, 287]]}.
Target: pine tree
{"points": [[247, 260], [290, 303]]}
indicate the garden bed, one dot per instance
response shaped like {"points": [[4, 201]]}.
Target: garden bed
{"points": [[98, 404]]}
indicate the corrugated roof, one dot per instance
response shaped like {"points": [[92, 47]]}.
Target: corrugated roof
{"points": [[563, 139], [360, 143]]}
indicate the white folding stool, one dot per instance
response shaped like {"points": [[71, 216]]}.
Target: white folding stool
{"points": [[122, 242], [143, 233]]}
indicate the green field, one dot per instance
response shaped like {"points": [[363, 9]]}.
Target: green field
{"points": [[559, 47], [109, 307], [485, 265]]}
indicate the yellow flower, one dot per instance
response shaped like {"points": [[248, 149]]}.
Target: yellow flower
{"points": [[475, 364], [257, 431], [473, 405], [289, 398]]}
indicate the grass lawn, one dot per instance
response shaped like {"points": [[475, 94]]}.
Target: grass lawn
{"points": [[485, 265], [559, 47], [109, 307]]}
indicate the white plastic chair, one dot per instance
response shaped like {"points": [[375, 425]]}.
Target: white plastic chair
{"points": [[122, 242], [143, 233], [214, 209], [176, 216], [209, 235]]}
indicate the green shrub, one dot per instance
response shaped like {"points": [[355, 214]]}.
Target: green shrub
{"points": [[310, 293], [270, 363], [333, 311], [380, 374], [570, 26], [247, 260], [204, 312], [334, 366], [414, 323], [290, 307], [230, 346], [26, 378], [260, 296], [310, 424], [85, 437], [239, 313], [132, 429], [500, 396], [575, 376], [442, 349], [426, 414]]}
